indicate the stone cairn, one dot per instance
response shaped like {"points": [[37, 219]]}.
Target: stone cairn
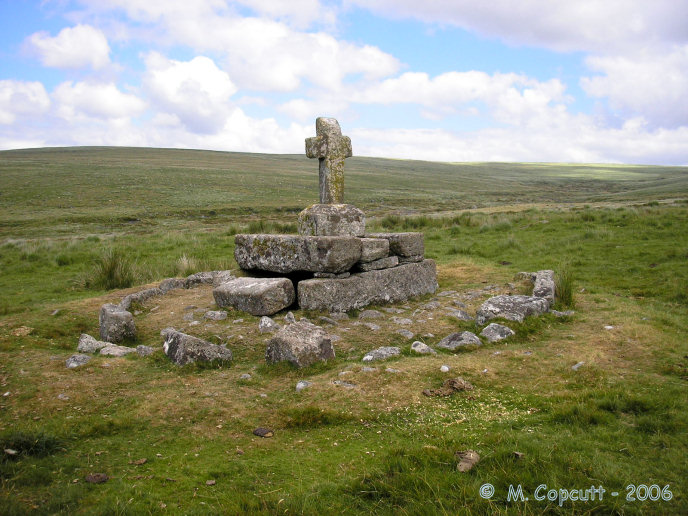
{"points": [[332, 264]]}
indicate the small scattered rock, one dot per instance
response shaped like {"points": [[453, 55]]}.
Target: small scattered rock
{"points": [[402, 321], [113, 350], [289, 318], [455, 341], [342, 383], [392, 310], [577, 366], [339, 316], [55, 312], [210, 482], [263, 432], [609, 327], [303, 384], [11, 452], [138, 462], [460, 315], [62, 397], [327, 320], [237, 321], [370, 314], [495, 332], [371, 326], [266, 324], [422, 348], [88, 344], [382, 353], [467, 459], [366, 369], [144, 351], [405, 333], [245, 376], [519, 455], [77, 360], [215, 315], [445, 368], [431, 305], [392, 370]]}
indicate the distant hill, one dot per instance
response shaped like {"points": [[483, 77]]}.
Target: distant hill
{"points": [[71, 184]]}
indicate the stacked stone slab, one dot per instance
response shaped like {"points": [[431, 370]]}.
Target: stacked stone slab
{"points": [[334, 264]]}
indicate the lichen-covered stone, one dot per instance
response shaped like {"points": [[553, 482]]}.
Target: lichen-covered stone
{"points": [[365, 288], [331, 148], [495, 332], [513, 308], [331, 220], [183, 349], [422, 348], [113, 350], [116, 324], [257, 296], [374, 249], [170, 284], [301, 343], [292, 253], [411, 259], [382, 353], [544, 285], [88, 344], [77, 360], [382, 263], [403, 244], [455, 341], [140, 297]]}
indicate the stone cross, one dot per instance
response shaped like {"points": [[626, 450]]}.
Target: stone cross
{"points": [[331, 148]]}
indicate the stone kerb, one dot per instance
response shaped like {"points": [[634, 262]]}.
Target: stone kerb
{"points": [[293, 253], [257, 296], [378, 286]]}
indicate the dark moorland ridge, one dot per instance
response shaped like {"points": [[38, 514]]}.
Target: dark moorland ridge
{"points": [[141, 183]]}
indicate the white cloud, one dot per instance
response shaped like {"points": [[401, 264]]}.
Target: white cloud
{"points": [[81, 46], [588, 25], [95, 100], [509, 98], [578, 140], [196, 91], [300, 13], [653, 85], [260, 53], [19, 99]]}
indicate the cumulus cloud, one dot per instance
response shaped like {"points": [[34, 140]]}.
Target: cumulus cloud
{"points": [[260, 53], [21, 99], [195, 91], [587, 25], [95, 100], [510, 98], [648, 84], [81, 46], [578, 140]]}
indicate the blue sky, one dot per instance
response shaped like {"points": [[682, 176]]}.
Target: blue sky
{"points": [[461, 80]]}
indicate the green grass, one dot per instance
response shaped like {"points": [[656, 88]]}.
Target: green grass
{"points": [[616, 235]]}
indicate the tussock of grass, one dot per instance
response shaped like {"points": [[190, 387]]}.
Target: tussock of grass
{"points": [[564, 287], [36, 444], [112, 270]]}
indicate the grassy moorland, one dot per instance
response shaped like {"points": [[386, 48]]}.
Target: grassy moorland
{"points": [[621, 233]]}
